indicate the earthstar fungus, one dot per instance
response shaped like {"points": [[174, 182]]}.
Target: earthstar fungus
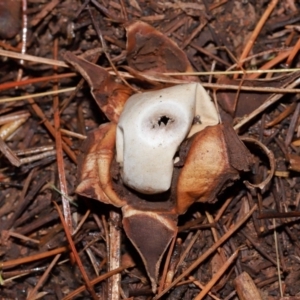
{"points": [[151, 128], [144, 143], [161, 150]]}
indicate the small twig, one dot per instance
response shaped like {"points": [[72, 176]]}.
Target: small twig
{"points": [[266, 68], [97, 280], [23, 237], [44, 12], [194, 33], [83, 219], [33, 58], [24, 35], [277, 258], [222, 209], [39, 156], [256, 31], [293, 124], [14, 84], [14, 116], [166, 265], [25, 200], [218, 275], [262, 70], [59, 152], [293, 53], [49, 93], [265, 105], [114, 255], [76, 256], [9, 154], [104, 46], [201, 286], [50, 128], [43, 278], [34, 150], [187, 249], [73, 134], [211, 250], [31, 258]]}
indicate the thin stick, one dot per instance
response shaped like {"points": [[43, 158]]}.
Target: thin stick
{"points": [[114, 255], [104, 47], [49, 93], [9, 154], [14, 116], [60, 63], [269, 64], [256, 31], [50, 128], [277, 259], [166, 266], [33, 58], [187, 249], [218, 275], [222, 209], [43, 277], [59, 151], [260, 71], [81, 221], [76, 256], [44, 12], [23, 237], [293, 53], [36, 157], [264, 106], [201, 286], [97, 280], [34, 257], [14, 84], [211, 250], [24, 35], [73, 134]]}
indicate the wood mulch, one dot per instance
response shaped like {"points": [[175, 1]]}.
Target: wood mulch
{"points": [[55, 244]]}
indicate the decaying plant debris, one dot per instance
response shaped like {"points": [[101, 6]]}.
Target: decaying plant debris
{"points": [[243, 238]]}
